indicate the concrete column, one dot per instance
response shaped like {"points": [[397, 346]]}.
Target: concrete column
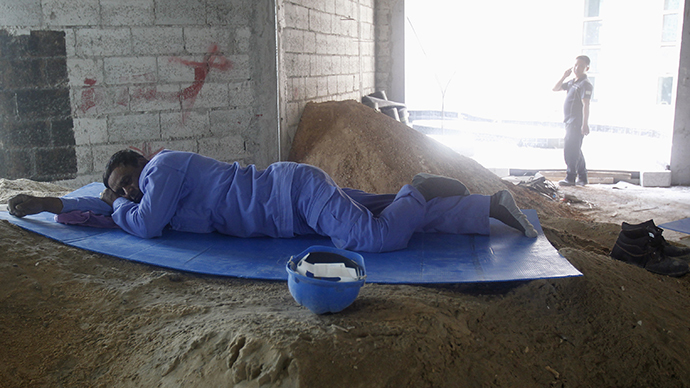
{"points": [[680, 155], [397, 91]]}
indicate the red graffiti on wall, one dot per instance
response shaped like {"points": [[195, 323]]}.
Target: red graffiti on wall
{"points": [[90, 98], [88, 95], [212, 60]]}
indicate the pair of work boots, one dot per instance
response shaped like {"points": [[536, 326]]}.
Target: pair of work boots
{"points": [[644, 246]]}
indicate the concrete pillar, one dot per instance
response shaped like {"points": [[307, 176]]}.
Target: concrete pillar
{"points": [[680, 155], [397, 91]]}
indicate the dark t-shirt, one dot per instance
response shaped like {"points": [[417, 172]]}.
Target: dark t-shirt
{"points": [[578, 90]]}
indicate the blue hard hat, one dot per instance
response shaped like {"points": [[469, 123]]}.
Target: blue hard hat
{"points": [[325, 279]]}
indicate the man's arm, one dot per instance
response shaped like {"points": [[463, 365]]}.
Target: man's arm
{"points": [[585, 116], [148, 218], [23, 205], [559, 85]]}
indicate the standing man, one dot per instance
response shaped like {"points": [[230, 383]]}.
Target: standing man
{"points": [[576, 109]]}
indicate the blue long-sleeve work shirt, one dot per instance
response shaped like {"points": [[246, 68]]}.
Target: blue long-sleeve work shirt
{"points": [[193, 193]]}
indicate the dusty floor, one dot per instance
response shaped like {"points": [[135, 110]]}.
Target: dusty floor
{"points": [[72, 318]]}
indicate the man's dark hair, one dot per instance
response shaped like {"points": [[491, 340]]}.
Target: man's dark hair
{"points": [[584, 58], [121, 158]]}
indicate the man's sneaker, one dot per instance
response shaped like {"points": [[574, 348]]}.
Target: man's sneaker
{"points": [[566, 182], [581, 182], [657, 239], [634, 247]]}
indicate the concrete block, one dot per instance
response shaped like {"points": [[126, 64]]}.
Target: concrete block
{"points": [[71, 12], [88, 131], [655, 178], [322, 86], [345, 26], [321, 43], [332, 84], [43, 104], [345, 83], [297, 65], [133, 128], [149, 98], [128, 70], [102, 153], [85, 72], [230, 121], [224, 12], [311, 88], [367, 47], [70, 43], [115, 100], [84, 159], [309, 42], [320, 22], [315, 66], [296, 16], [180, 12], [293, 40], [127, 12], [199, 40], [173, 70], [367, 31], [157, 40], [345, 8], [56, 163], [211, 95], [366, 12], [227, 149], [239, 69], [25, 13], [62, 132], [181, 125], [94, 42]]}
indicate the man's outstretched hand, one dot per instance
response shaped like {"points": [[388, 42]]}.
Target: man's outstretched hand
{"points": [[24, 205]]}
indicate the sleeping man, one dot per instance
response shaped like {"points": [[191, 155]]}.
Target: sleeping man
{"points": [[193, 193]]}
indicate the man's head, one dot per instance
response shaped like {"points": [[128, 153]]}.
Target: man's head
{"points": [[581, 66], [122, 174]]}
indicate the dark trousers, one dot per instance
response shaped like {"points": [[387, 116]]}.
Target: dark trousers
{"points": [[572, 153]]}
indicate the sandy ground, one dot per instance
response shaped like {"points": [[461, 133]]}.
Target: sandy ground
{"points": [[73, 318]]}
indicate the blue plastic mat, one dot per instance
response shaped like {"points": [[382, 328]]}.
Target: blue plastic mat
{"points": [[430, 258], [682, 226]]}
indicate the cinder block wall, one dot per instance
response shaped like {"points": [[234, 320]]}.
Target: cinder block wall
{"points": [[194, 75], [225, 78], [327, 52]]}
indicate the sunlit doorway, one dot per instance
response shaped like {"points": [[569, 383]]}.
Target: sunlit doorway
{"points": [[478, 77]]}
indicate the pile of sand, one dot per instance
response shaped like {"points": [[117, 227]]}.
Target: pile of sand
{"points": [[73, 318]]}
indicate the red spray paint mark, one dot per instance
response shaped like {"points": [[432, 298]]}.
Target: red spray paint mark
{"points": [[88, 95], [186, 97], [212, 60]]}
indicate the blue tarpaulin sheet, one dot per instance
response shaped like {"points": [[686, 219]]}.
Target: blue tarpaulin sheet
{"points": [[682, 226], [505, 255]]}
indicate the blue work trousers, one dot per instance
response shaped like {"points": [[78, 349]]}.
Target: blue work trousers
{"points": [[361, 221]]}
